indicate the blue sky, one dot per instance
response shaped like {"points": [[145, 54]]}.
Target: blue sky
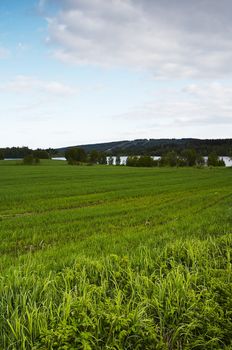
{"points": [[86, 71]]}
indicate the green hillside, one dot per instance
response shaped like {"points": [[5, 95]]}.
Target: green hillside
{"points": [[222, 147]]}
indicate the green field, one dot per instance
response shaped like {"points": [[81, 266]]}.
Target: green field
{"points": [[104, 257]]}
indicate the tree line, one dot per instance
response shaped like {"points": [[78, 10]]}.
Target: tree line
{"points": [[158, 147], [22, 152], [155, 147], [77, 156], [188, 157]]}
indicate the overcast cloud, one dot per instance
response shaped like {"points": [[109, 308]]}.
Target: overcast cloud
{"points": [[172, 39]]}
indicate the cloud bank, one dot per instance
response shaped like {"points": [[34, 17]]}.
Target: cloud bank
{"points": [[172, 39], [195, 105]]}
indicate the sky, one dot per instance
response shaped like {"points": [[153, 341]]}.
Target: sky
{"points": [[85, 71]]}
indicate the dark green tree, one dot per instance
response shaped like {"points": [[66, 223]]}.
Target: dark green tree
{"points": [[111, 160], [75, 155], [200, 161], [118, 160], [170, 159], [102, 158], [214, 160], [230, 155], [70, 154], [41, 154], [17, 152], [145, 161], [94, 157], [190, 156], [1, 155], [30, 160], [132, 161]]}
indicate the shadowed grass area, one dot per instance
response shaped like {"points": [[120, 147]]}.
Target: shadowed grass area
{"points": [[108, 257]]}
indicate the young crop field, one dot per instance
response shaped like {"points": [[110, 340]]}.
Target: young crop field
{"points": [[107, 257]]}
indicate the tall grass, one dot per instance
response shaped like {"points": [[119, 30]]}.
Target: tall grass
{"points": [[115, 258], [180, 300]]}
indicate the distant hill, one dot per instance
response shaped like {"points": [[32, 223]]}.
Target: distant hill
{"points": [[158, 146]]}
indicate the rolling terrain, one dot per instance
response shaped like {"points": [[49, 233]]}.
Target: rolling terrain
{"points": [[223, 147]]}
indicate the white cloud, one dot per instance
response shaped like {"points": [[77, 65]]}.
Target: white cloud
{"points": [[195, 105], [22, 84], [177, 38]]}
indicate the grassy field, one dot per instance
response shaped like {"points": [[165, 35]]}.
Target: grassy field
{"points": [[103, 257]]}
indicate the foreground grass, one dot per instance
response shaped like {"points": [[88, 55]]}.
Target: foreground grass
{"points": [[115, 258]]}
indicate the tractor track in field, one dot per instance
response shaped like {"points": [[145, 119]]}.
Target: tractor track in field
{"points": [[80, 206], [99, 202]]}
